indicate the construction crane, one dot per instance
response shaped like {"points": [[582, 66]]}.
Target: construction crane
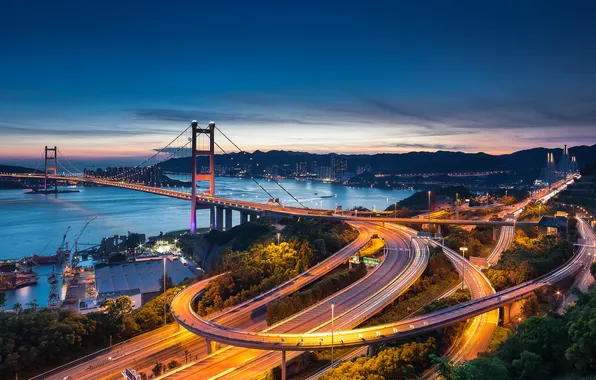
{"points": [[64, 239], [76, 240]]}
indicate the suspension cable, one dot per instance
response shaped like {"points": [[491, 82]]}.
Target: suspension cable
{"points": [[270, 176], [155, 155], [77, 170], [251, 177]]}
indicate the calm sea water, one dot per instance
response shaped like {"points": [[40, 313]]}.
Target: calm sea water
{"points": [[30, 222]]}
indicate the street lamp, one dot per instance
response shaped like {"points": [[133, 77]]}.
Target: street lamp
{"points": [[429, 213], [165, 320], [332, 317], [463, 265]]}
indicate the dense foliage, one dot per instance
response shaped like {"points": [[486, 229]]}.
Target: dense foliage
{"points": [[404, 361], [527, 259], [541, 347], [419, 200], [32, 340], [286, 306], [266, 265], [477, 240]]}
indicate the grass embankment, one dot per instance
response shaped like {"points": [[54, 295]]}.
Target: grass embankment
{"points": [[372, 247], [262, 266]]}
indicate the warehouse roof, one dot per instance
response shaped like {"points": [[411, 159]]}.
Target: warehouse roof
{"points": [[142, 275]]}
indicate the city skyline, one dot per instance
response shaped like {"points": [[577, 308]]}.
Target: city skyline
{"points": [[389, 78]]}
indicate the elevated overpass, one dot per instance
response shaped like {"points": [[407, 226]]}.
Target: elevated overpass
{"points": [[370, 335]]}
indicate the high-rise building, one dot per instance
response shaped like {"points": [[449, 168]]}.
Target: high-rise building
{"points": [[339, 165], [363, 169], [313, 168], [301, 169], [324, 172]]}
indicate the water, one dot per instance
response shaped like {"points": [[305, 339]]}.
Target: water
{"points": [[28, 222]]}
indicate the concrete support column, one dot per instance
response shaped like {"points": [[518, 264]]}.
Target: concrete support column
{"points": [[283, 365], [438, 228], [372, 350], [228, 219], [495, 230], [219, 222], [243, 217], [505, 314], [209, 347], [211, 217]]}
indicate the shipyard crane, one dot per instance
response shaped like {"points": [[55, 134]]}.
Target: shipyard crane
{"points": [[76, 240]]}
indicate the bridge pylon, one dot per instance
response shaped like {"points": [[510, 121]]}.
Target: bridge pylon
{"points": [[51, 164], [210, 133]]}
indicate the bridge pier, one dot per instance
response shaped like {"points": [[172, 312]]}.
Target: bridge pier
{"points": [[253, 217], [211, 217], [219, 222], [438, 226], [495, 230], [228, 225], [243, 217], [505, 314], [372, 350], [211, 346], [283, 365]]}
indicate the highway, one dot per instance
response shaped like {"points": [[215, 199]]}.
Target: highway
{"points": [[353, 305], [376, 334], [161, 345]]}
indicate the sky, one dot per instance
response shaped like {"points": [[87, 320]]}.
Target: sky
{"points": [[113, 80]]}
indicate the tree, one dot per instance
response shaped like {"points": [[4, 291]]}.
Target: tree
{"points": [[169, 283], [17, 307], [593, 270], [2, 299], [531, 306], [530, 367], [33, 304], [487, 369], [158, 369], [143, 376]]}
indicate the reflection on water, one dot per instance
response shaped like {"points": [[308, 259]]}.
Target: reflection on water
{"points": [[28, 222]]}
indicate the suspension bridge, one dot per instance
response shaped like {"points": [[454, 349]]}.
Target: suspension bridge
{"points": [[190, 158]]}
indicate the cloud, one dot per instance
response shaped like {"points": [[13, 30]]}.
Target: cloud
{"points": [[177, 115], [429, 146], [82, 131]]}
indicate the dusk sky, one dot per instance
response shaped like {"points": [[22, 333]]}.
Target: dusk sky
{"points": [[118, 79]]}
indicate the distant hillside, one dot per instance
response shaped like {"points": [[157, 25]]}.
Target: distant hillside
{"points": [[526, 163], [16, 169]]}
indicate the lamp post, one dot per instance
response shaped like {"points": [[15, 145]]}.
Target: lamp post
{"points": [[429, 213], [165, 319], [463, 265], [278, 238], [332, 317]]}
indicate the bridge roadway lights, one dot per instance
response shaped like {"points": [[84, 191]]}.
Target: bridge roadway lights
{"points": [[228, 225]]}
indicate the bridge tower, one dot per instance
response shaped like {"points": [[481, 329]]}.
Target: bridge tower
{"points": [[51, 164], [210, 132]]}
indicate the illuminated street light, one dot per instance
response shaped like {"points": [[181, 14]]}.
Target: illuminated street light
{"points": [[463, 265], [332, 317], [429, 213]]}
